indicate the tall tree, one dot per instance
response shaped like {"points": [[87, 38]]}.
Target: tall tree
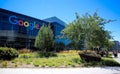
{"points": [[87, 29], [44, 40]]}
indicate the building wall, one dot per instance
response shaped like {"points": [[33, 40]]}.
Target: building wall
{"points": [[57, 33], [116, 45], [20, 30]]}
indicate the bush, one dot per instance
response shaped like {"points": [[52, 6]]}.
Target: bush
{"points": [[8, 53], [45, 39], [88, 56]]}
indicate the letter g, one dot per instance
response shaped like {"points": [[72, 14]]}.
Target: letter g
{"points": [[12, 20]]}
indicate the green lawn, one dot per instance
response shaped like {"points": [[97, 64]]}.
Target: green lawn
{"points": [[61, 60]]}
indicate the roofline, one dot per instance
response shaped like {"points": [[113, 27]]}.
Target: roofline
{"points": [[23, 15], [58, 23]]}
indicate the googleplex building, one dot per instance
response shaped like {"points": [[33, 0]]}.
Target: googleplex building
{"points": [[18, 30]]}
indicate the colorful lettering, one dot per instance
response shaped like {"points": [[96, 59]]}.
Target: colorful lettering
{"points": [[31, 25], [20, 22], [12, 20]]}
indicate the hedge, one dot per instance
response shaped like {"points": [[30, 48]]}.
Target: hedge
{"points": [[8, 53]]}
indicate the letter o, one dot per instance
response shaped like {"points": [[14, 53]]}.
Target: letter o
{"points": [[26, 24], [20, 23]]}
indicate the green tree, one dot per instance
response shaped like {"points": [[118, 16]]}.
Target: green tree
{"points": [[45, 39], [87, 29]]}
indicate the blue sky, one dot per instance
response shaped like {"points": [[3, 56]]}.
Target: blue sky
{"points": [[65, 10]]}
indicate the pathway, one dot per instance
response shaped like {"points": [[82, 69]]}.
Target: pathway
{"points": [[92, 70]]}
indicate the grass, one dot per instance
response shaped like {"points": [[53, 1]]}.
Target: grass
{"points": [[4, 64], [62, 60], [109, 62], [28, 61], [55, 61], [36, 63], [16, 65], [104, 62]]}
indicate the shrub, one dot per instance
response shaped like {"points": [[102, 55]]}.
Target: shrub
{"points": [[8, 53], [45, 39], [88, 56]]}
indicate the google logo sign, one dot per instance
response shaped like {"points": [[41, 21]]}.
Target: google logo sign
{"points": [[30, 25]]}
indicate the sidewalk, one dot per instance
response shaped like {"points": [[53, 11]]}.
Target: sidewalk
{"points": [[92, 70]]}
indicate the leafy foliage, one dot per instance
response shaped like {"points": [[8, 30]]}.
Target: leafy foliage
{"points": [[88, 31], [44, 40], [8, 53]]}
